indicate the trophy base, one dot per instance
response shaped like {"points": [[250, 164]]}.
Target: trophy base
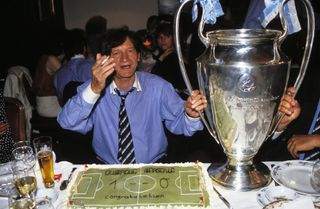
{"points": [[243, 177]]}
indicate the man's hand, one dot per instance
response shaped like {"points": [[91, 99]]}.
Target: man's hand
{"points": [[166, 53], [300, 143], [290, 107], [101, 70], [195, 103]]}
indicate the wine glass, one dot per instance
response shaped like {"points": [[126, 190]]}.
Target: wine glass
{"points": [[25, 154], [21, 144], [315, 175], [17, 201], [24, 178]]}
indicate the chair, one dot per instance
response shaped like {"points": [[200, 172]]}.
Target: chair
{"points": [[18, 85], [70, 90], [16, 118]]}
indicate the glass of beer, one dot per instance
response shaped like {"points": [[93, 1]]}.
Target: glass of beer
{"points": [[43, 148]]}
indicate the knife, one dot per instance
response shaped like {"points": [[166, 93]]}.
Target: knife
{"points": [[224, 200]]}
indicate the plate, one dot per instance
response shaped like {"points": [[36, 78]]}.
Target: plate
{"points": [[296, 175], [274, 193], [261, 197], [270, 194], [276, 204]]}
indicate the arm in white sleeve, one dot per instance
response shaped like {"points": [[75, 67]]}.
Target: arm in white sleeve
{"points": [[76, 114]]}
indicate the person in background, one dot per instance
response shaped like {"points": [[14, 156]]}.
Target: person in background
{"points": [[95, 28], [296, 120], [149, 44], [150, 102], [6, 140], [148, 36], [167, 65], [303, 146], [47, 104], [308, 94], [77, 67]]}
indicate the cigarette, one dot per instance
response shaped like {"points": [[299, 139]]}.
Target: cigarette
{"points": [[105, 60]]}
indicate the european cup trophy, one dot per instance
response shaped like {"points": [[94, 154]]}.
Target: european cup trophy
{"points": [[244, 74]]}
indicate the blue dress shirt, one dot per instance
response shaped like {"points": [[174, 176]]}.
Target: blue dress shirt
{"points": [[77, 69], [152, 102]]}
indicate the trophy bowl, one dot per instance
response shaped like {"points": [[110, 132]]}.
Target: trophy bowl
{"points": [[243, 74]]}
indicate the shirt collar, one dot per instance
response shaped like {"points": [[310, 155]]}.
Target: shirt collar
{"points": [[77, 56], [136, 85]]}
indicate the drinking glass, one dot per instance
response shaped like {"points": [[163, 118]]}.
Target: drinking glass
{"points": [[315, 175], [25, 154], [24, 178], [43, 148], [17, 201], [21, 144]]}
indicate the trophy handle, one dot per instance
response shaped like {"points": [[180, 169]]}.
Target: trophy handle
{"points": [[307, 50], [203, 39], [181, 62]]}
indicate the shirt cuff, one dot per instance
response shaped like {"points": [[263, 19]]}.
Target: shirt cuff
{"points": [[191, 118], [89, 96]]}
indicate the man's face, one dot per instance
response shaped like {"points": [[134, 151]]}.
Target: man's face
{"points": [[126, 58]]}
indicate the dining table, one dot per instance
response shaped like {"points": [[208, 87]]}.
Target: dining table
{"points": [[237, 199]]}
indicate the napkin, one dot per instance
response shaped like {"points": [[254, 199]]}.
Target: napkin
{"points": [[303, 202]]}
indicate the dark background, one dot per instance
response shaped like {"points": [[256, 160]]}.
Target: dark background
{"points": [[26, 24]]}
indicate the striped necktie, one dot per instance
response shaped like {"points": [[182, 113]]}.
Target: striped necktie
{"points": [[126, 150], [314, 129]]}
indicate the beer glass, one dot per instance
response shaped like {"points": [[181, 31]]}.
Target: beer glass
{"points": [[43, 148]]}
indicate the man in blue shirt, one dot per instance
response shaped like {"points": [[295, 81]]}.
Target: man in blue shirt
{"points": [[78, 67], [151, 102]]}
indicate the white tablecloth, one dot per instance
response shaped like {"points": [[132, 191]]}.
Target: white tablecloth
{"points": [[238, 200]]}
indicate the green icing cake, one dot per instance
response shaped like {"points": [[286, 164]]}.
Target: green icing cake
{"points": [[141, 186]]}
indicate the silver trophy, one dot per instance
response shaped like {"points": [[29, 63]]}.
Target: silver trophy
{"points": [[244, 74]]}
